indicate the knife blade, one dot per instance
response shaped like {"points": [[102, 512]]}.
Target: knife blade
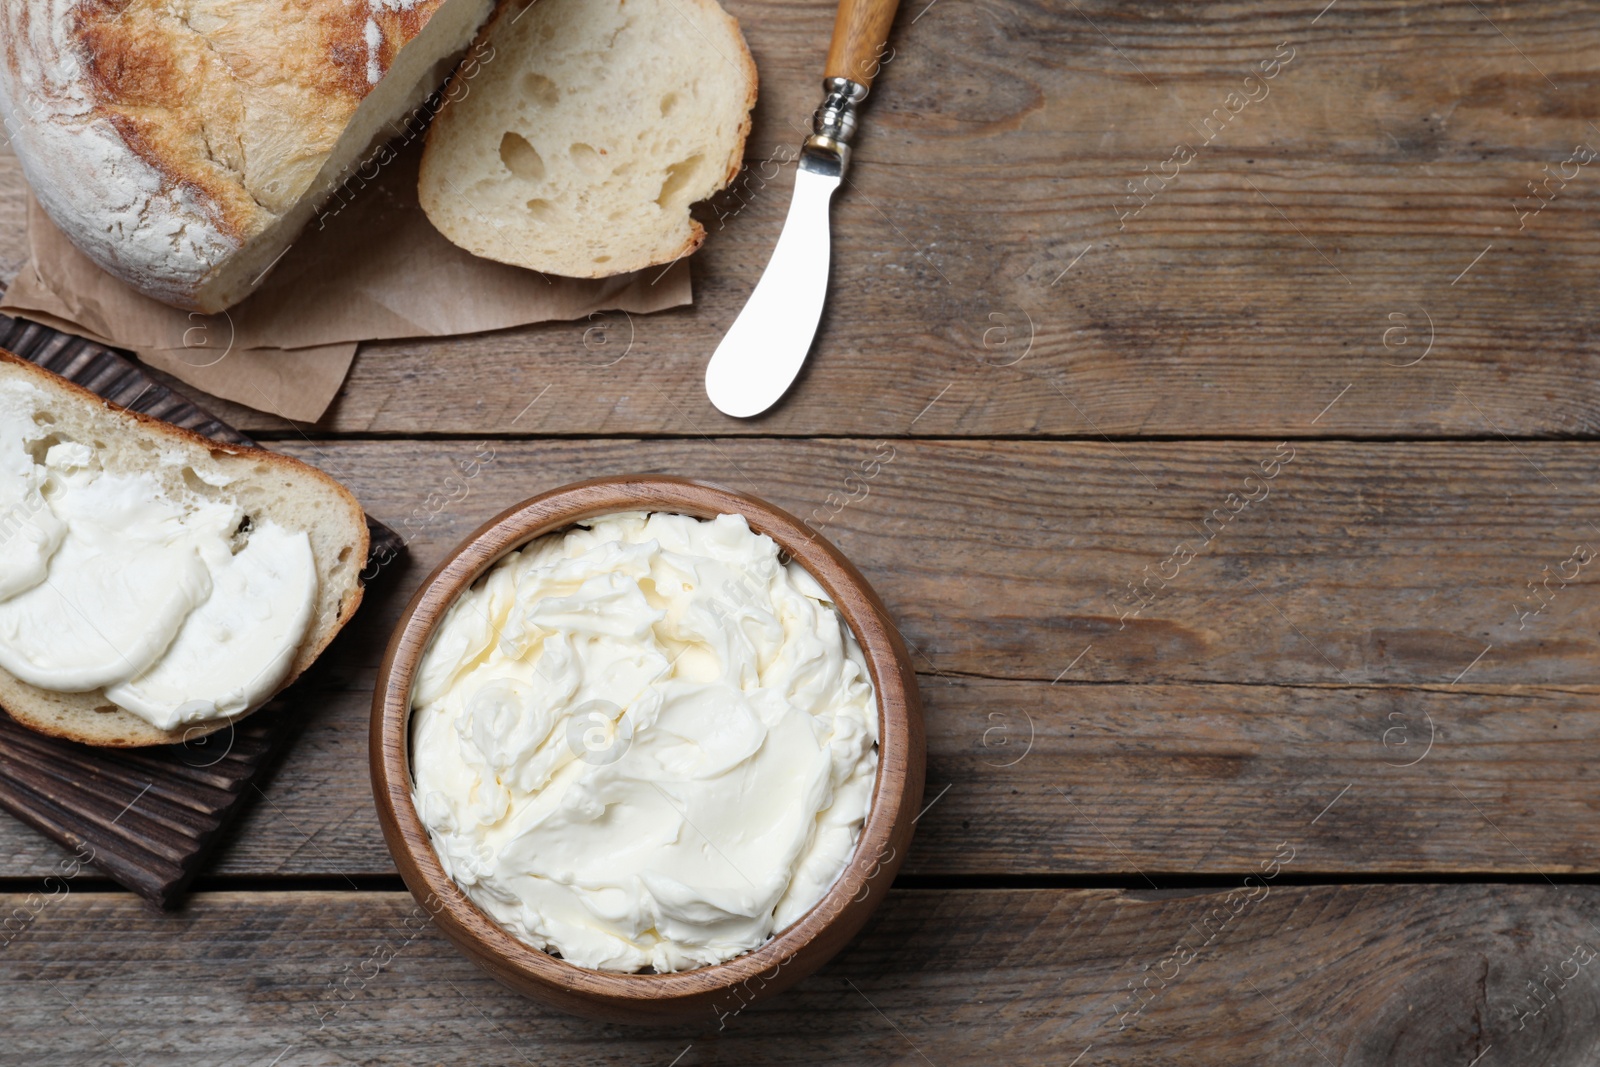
{"points": [[762, 353]]}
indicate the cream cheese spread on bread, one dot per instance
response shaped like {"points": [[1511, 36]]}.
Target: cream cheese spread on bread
{"points": [[645, 741], [174, 604]]}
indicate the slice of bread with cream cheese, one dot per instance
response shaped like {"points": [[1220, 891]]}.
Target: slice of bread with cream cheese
{"points": [[156, 586]]}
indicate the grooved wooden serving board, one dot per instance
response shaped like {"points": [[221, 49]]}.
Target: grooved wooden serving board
{"points": [[146, 817]]}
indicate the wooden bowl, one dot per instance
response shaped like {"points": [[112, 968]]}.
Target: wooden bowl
{"points": [[721, 990]]}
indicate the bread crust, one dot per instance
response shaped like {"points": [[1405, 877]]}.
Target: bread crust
{"points": [[123, 729], [162, 135]]}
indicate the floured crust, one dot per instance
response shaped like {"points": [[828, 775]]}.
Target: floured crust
{"points": [[164, 135], [340, 543]]}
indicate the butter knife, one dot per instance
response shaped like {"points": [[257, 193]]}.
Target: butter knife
{"points": [[762, 353]]}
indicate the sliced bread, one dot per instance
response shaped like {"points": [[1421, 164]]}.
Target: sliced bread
{"points": [[266, 486], [582, 139]]}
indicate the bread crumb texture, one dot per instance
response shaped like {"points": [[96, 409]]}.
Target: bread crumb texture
{"points": [[579, 147]]}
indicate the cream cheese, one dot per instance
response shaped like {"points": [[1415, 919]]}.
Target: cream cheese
{"points": [[644, 742], [236, 648], [118, 588], [155, 594]]}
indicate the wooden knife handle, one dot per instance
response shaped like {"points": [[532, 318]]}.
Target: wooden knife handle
{"points": [[860, 30]]}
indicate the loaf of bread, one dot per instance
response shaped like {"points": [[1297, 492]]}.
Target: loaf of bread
{"points": [[184, 144], [579, 148], [269, 491]]}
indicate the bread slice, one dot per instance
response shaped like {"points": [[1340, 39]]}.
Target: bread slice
{"points": [[184, 144], [266, 485], [580, 146]]}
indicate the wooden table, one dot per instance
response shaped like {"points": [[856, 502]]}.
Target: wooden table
{"points": [[1242, 524]]}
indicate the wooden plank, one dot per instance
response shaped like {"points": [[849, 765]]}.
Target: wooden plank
{"points": [[996, 561], [1006, 559], [1274, 973], [1029, 779], [1342, 214]]}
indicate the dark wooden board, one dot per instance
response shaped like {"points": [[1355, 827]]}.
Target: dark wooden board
{"points": [[1341, 975], [147, 817]]}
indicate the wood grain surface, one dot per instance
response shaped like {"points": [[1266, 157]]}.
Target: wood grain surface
{"points": [[1000, 561], [860, 40], [1357, 563], [1272, 974], [997, 148], [1231, 378]]}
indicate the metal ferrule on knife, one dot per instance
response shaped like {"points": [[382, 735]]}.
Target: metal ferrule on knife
{"points": [[834, 123]]}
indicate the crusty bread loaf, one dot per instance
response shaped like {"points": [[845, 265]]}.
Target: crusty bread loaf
{"points": [[266, 485], [580, 147], [183, 144]]}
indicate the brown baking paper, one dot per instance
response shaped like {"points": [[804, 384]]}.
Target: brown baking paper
{"points": [[370, 267]]}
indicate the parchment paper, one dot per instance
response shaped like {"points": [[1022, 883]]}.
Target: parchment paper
{"points": [[370, 267]]}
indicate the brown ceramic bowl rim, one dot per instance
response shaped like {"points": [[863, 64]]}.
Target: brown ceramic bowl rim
{"points": [[887, 660]]}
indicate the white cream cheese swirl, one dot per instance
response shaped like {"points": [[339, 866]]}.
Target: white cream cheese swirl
{"points": [[644, 742], [122, 580]]}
